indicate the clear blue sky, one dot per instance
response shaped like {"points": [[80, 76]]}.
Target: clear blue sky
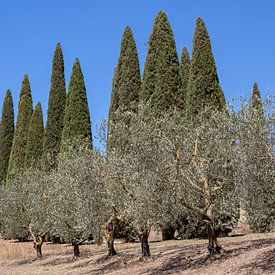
{"points": [[242, 34]]}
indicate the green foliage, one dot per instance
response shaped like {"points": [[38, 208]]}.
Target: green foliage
{"points": [[6, 134], [78, 194], [35, 138], [203, 85], [25, 203], [18, 151], [126, 85], [56, 108], [161, 81], [259, 164], [184, 72], [257, 104], [77, 118]]}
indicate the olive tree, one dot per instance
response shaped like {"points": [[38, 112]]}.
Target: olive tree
{"points": [[26, 207], [79, 196], [256, 163], [131, 179], [176, 166]]}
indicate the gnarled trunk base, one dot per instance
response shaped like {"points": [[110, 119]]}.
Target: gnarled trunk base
{"points": [[109, 233], [213, 246], [145, 249], [76, 249], [111, 249], [37, 244]]}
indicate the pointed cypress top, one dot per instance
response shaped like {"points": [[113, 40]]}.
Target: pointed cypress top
{"points": [[185, 58], [26, 87], [126, 84], [161, 82], [127, 79], [56, 108], [203, 84], [128, 31], [38, 108], [161, 14], [77, 117], [184, 71], [58, 46], [6, 134], [18, 152], [8, 95], [256, 99]]}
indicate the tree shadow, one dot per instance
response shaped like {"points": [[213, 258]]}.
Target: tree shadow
{"points": [[266, 263], [106, 263], [188, 257]]}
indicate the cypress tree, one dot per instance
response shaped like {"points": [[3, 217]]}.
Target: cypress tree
{"points": [[6, 134], [77, 118], [18, 151], [161, 81], [256, 100], [34, 147], [184, 72], [126, 82], [203, 85], [56, 107], [261, 164]]}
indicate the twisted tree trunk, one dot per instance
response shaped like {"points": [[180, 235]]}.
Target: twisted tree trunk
{"points": [[37, 244], [109, 233], [76, 249], [213, 246], [145, 249]]}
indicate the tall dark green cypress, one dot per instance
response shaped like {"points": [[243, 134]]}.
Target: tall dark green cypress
{"points": [[35, 138], [257, 104], [77, 117], [203, 85], [126, 83], [56, 108], [6, 134], [184, 72], [161, 81], [18, 151]]}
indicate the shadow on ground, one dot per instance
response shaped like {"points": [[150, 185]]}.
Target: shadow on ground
{"points": [[189, 257]]}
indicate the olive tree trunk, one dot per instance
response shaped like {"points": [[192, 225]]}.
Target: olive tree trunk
{"points": [[37, 244], [76, 249], [213, 246], [109, 234], [145, 249]]}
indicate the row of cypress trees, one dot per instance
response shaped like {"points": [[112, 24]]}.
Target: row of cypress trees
{"points": [[167, 82], [28, 143]]}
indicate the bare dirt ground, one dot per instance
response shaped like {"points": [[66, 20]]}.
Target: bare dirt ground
{"points": [[250, 254]]}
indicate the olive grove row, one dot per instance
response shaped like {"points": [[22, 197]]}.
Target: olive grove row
{"points": [[173, 167]]}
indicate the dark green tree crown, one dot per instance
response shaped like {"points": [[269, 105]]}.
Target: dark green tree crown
{"points": [[6, 134], [161, 82], [184, 71], [34, 147], [126, 81], [126, 84], [56, 107], [256, 99], [18, 152], [203, 85], [77, 117]]}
